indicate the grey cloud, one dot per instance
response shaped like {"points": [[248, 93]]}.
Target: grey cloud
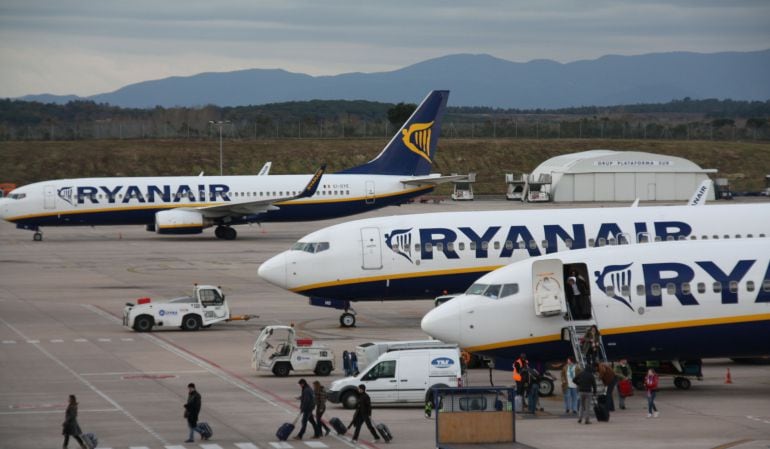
{"points": [[339, 35]]}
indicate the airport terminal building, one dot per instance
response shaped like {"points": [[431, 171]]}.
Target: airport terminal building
{"points": [[608, 175]]}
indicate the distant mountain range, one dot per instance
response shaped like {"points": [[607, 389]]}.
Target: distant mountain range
{"points": [[475, 80]]}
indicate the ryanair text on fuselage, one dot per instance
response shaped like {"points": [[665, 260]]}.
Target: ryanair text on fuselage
{"points": [[443, 240], [151, 194]]}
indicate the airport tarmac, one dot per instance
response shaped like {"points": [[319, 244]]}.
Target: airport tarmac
{"points": [[60, 333]]}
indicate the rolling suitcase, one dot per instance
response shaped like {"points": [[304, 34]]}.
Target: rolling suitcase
{"points": [[205, 430], [338, 425], [600, 408], [286, 429], [90, 440], [384, 432]]}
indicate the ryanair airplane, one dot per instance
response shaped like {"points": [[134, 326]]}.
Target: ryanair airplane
{"points": [[428, 255], [662, 301], [187, 205]]}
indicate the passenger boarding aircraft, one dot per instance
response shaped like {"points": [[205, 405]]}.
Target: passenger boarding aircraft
{"points": [[427, 255], [662, 301], [187, 205]]}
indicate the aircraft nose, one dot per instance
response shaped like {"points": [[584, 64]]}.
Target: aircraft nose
{"points": [[3, 208], [273, 270], [443, 322]]}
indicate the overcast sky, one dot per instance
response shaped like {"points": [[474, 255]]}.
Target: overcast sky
{"points": [[86, 47]]}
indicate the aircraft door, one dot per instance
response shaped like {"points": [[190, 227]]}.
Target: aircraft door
{"points": [[548, 287], [370, 248], [49, 197], [369, 192]]}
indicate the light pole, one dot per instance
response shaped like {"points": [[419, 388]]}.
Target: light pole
{"points": [[220, 124]]}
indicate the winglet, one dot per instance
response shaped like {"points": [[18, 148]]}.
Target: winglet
{"points": [[312, 186], [701, 194], [265, 169]]}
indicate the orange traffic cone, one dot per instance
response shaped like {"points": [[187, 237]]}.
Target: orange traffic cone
{"points": [[728, 378]]}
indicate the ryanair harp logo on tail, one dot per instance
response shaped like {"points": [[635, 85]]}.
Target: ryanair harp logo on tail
{"points": [[417, 139]]}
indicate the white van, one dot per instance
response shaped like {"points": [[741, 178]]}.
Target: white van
{"points": [[402, 377]]}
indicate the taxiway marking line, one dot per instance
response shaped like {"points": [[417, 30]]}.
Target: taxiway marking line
{"points": [[232, 378], [128, 373], [85, 382], [41, 412]]}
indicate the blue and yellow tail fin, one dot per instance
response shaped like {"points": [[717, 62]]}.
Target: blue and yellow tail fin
{"points": [[412, 150]]}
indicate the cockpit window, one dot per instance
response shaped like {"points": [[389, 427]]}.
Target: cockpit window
{"points": [[476, 289], [310, 247], [493, 291], [509, 289], [17, 196]]}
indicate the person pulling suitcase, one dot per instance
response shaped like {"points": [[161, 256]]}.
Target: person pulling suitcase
{"points": [[363, 414]]}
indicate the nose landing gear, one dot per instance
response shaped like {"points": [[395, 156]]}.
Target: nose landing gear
{"points": [[348, 319]]}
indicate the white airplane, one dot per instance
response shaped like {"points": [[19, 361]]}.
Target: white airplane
{"points": [[663, 301], [428, 255], [188, 204]]}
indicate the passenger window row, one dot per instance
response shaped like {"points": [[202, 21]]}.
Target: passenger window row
{"points": [[686, 288], [204, 194], [645, 238], [621, 239]]}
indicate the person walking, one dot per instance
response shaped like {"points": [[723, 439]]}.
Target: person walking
{"points": [[623, 374], [590, 345], [363, 414], [519, 366], [607, 375], [306, 407], [320, 406], [533, 388], [346, 363], [651, 385], [192, 409], [586, 383], [568, 386], [577, 297], [70, 426], [353, 363]]}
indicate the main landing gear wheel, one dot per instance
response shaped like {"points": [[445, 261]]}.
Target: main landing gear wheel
{"points": [[347, 319], [546, 387], [38, 236], [225, 233], [682, 383]]}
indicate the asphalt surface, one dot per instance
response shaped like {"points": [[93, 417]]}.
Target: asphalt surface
{"points": [[60, 333]]}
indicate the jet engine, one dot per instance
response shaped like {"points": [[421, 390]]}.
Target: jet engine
{"points": [[178, 221]]}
